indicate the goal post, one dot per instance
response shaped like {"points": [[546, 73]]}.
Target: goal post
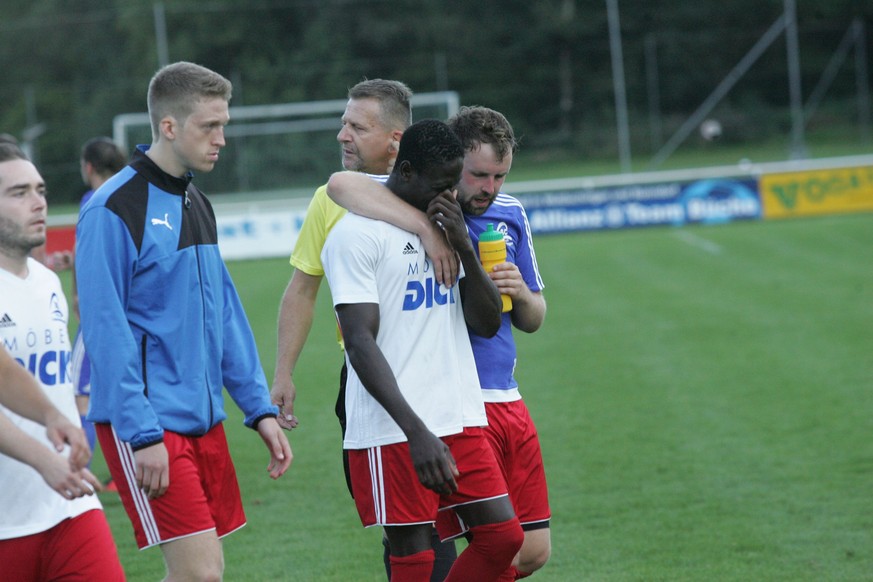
{"points": [[278, 146]]}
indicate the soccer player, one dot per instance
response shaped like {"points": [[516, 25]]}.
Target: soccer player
{"points": [[489, 143], [414, 407], [43, 535], [377, 113], [166, 332]]}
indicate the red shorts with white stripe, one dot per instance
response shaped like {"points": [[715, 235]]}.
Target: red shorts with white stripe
{"points": [[203, 494], [516, 445], [387, 490], [513, 438]]}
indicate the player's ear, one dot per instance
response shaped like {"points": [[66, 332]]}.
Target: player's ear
{"points": [[167, 127], [406, 170], [394, 146]]}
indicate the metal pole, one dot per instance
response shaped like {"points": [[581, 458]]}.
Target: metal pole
{"points": [[653, 93], [565, 72], [798, 146], [161, 34], [861, 78], [441, 70], [723, 88], [34, 128], [619, 85], [829, 74]]}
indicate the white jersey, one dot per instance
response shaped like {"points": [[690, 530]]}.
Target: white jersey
{"points": [[33, 328], [422, 332]]}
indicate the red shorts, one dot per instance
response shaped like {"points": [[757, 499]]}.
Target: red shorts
{"points": [[387, 490], [203, 494], [79, 549], [516, 445]]}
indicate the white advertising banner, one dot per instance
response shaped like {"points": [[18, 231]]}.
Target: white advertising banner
{"points": [[262, 230]]}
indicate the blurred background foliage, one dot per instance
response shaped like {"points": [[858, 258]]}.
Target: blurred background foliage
{"points": [[70, 66]]}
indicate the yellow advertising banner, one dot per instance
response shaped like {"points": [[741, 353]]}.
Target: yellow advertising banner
{"points": [[831, 191]]}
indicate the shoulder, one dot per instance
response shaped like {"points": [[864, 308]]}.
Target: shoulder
{"points": [[506, 210], [355, 234], [125, 180], [323, 208], [508, 204], [378, 177], [38, 269], [125, 190], [85, 198], [320, 193], [39, 272], [351, 224]]}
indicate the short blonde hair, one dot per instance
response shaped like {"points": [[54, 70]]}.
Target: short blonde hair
{"points": [[175, 89], [394, 97]]}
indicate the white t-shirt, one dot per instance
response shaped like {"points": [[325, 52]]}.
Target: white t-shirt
{"points": [[33, 328], [422, 332]]}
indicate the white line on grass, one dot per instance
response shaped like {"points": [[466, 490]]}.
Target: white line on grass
{"points": [[698, 242]]}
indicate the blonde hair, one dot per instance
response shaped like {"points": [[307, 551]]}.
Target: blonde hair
{"points": [[175, 90], [394, 101]]}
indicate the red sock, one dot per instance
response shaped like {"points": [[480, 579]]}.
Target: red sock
{"points": [[490, 552], [412, 568], [512, 574]]}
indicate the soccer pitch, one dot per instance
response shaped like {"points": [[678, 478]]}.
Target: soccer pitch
{"points": [[703, 396]]}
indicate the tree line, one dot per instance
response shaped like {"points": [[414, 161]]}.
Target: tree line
{"points": [[70, 66]]}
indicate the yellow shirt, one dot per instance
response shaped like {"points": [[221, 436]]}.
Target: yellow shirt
{"points": [[321, 216]]}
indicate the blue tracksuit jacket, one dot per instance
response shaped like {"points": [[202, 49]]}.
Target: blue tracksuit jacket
{"points": [[162, 321]]}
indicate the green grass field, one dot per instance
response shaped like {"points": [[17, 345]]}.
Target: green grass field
{"points": [[705, 403]]}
